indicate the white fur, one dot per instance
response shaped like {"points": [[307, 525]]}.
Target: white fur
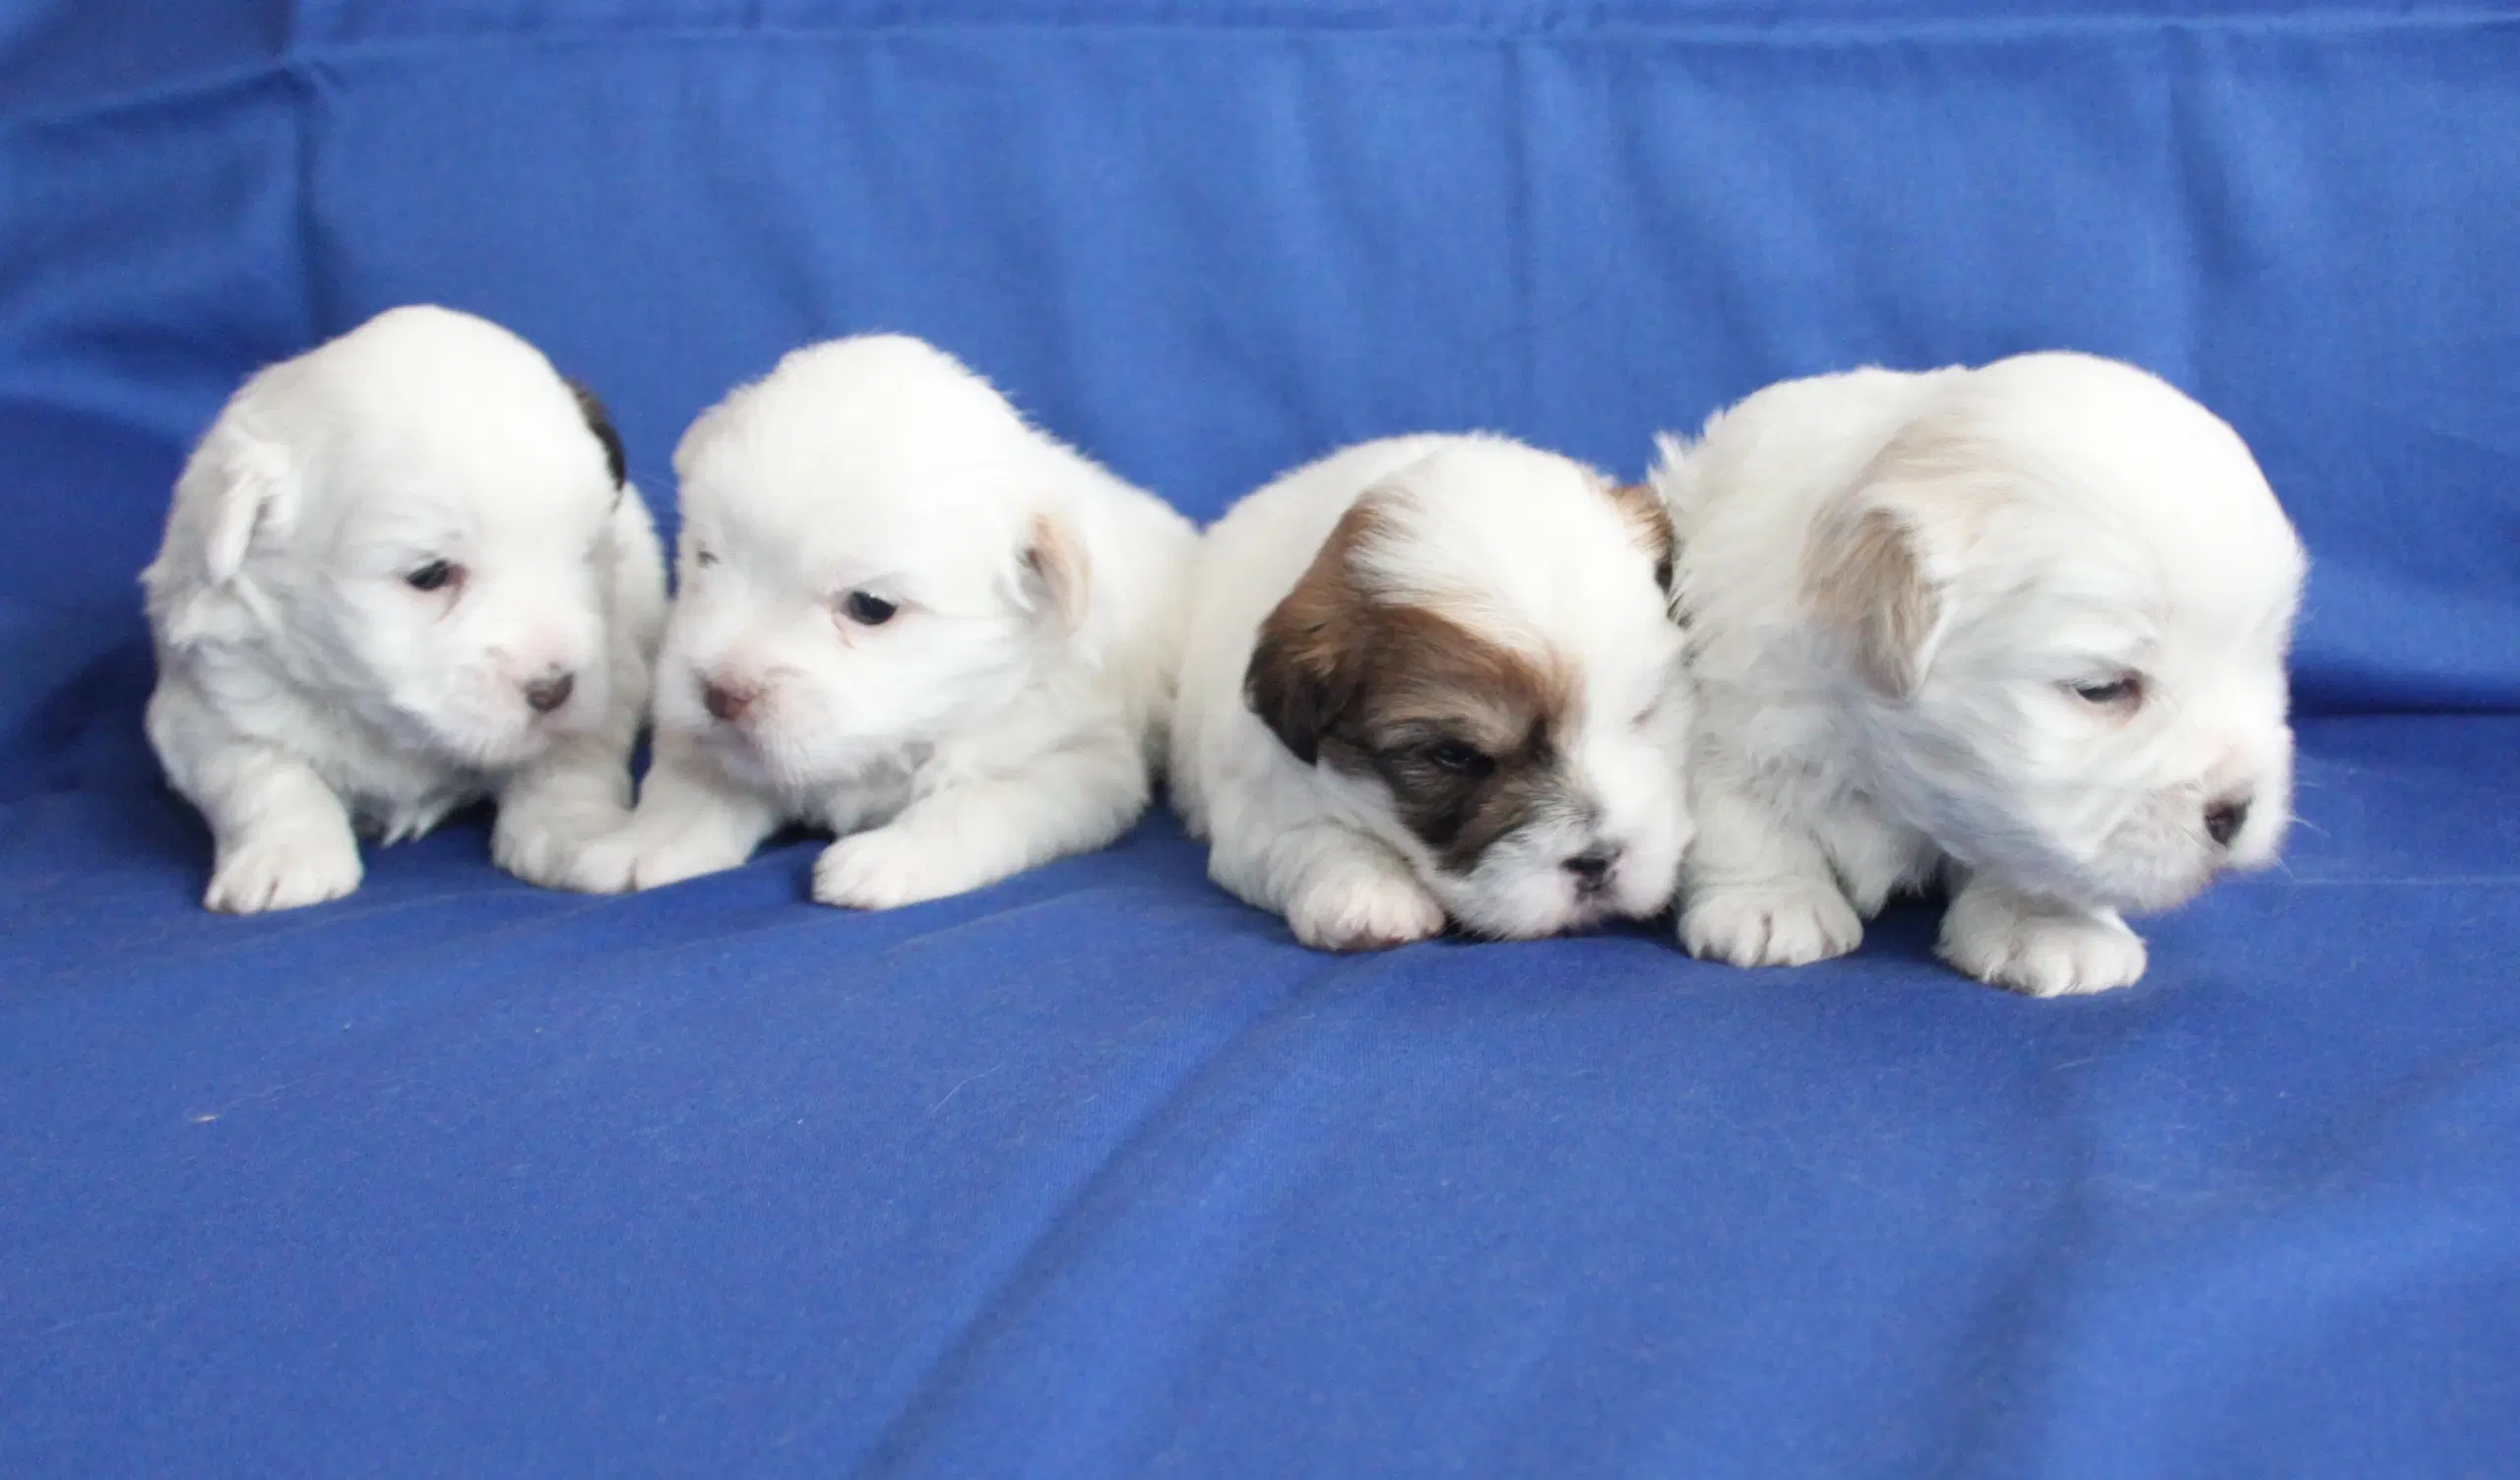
{"points": [[2074, 519], [306, 690], [1008, 714], [1524, 547]]}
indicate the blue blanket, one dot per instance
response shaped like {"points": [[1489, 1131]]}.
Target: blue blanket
{"points": [[1096, 1171]]}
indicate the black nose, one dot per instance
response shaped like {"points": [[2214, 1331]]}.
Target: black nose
{"points": [[548, 694], [1592, 869], [2224, 820], [724, 705]]}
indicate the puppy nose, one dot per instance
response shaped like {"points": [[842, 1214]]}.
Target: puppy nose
{"points": [[725, 705], [1592, 868], [2225, 819], [549, 693]]}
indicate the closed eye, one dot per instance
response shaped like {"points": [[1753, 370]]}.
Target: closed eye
{"points": [[1457, 757]]}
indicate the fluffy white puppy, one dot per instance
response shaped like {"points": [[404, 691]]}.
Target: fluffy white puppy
{"points": [[403, 571], [2027, 621], [903, 610], [1436, 676]]}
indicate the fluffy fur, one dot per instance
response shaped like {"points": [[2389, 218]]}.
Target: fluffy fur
{"points": [[401, 572], [2025, 624], [1436, 677], [907, 617]]}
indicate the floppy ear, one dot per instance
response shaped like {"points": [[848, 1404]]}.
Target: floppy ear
{"points": [[600, 421], [1057, 567], [1864, 576], [236, 491], [1308, 660]]}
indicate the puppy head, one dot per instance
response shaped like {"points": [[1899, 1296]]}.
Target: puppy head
{"points": [[873, 558], [1481, 665], [2065, 595], [412, 523]]}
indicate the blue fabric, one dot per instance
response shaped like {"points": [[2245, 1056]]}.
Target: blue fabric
{"points": [[1096, 1171]]}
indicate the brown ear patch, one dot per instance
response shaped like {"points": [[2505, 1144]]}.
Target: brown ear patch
{"points": [[1464, 731], [1056, 559], [1652, 523], [1308, 655], [1864, 578]]}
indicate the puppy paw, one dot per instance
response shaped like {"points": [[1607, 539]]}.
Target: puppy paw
{"points": [[1780, 924], [284, 871], [2039, 952], [625, 861], [555, 856], [1363, 909], [887, 868]]}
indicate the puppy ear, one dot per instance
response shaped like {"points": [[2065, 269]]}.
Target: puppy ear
{"points": [[1057, 567], [1308, 660], [1864, 576], [600, 421], [238, 491], [1651, 524]]}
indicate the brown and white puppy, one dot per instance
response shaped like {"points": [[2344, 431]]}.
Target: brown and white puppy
{"points": [[1436, 677]]}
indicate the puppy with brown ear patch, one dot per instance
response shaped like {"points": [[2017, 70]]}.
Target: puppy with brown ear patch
{"points": [[1436, 677], [907, 617], [2023, 625]]}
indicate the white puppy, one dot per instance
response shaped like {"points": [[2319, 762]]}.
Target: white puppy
{"points": [[900, 605], [2027, 621], [403, 571], [1436, 676]]}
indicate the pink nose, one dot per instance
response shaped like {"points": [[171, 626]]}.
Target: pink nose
{"points": [[726, 703]]}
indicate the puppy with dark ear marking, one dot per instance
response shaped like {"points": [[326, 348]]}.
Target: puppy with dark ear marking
{"points": [[403, 571], [2023, 626], [1436, 677], [907, 617]]}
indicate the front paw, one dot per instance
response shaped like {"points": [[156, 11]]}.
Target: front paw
{"points": [[627, 861], [284, 871], [1362, 909], [887, 868], [549, 855], [2040, 953], [1785, 923]]}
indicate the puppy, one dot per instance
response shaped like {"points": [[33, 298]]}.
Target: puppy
{"points": [[402, 572], [1436, 677], [2026, 622], [903, 610]]}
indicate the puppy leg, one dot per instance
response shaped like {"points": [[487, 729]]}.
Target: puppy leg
{"points": [[283, 838], [959, 837], [553, 809], [2044, 948], [1347, 892], [1757, 891], [691, 819]]}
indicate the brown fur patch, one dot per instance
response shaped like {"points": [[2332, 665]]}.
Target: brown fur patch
{"points": [[1861, 575], [1652, 523], [1057, 559], [1463, 732]]}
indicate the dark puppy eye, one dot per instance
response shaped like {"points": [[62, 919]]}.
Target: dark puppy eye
{"points": [[867, 610], [1457, 758], [2123, 689], [433, 576], [702, 559]]}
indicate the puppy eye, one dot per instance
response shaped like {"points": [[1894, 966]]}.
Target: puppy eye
{"points": [[1457, 758], [702, 559], [867, 610], [433, 576], [2121, 692]]}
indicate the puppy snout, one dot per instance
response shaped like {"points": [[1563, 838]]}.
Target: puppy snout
{"points": [[2224, 818], [726, 702], [551, 691], [1591, 868]]}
